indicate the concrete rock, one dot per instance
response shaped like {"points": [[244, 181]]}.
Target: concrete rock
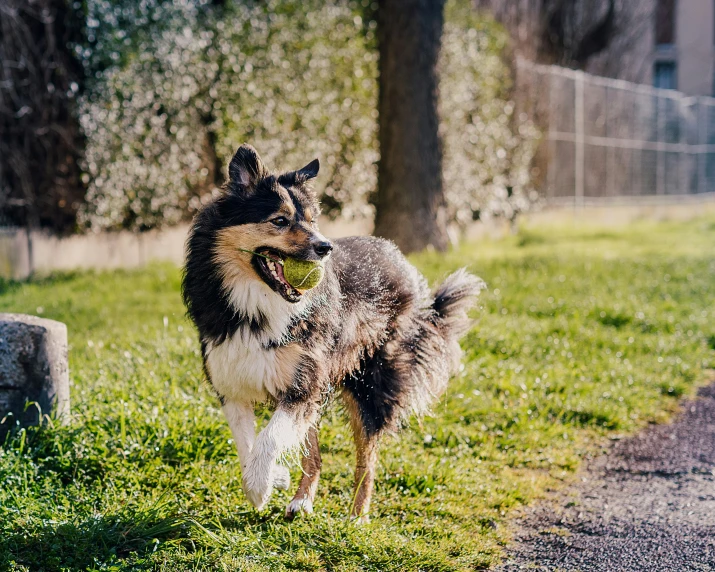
{"points": [[33, 368]]}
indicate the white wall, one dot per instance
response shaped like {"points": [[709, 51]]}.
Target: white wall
{"points": [[127, 250], [115, 249]]}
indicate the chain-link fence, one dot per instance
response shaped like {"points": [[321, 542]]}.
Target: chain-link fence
{"points": [[606, 139]]}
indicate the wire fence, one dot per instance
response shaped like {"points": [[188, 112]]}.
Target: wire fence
{"points": [[610, 140]]}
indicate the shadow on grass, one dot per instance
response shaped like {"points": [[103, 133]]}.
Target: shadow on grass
{"points": [[54, 546], [59, 451], [89, 451], [8, 285]]}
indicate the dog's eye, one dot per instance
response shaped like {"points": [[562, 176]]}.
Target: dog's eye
{"points": [[280, 221]]}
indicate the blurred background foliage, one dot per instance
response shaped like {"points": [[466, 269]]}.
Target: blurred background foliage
{"points": [[295, 79], [172, 87], [488, 150]]}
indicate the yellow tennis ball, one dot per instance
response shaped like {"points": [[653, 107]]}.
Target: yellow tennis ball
{"points": [[303, 274]]}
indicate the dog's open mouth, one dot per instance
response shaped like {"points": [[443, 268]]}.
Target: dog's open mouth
{"points": [[270, 267]]}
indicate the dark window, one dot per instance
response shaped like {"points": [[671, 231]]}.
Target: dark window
{"points": [[664, 75], [665, 22]]}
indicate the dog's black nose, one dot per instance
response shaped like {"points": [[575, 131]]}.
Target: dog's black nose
{"points": [[323, 248]]}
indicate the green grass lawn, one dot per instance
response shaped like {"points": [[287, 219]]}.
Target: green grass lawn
{"points": [[583, 334]]}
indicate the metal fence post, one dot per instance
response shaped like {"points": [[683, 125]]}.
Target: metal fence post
{"points": [[659, 147], [684, 112], [579, 128], [701, 157], [551, 166], [609, 150]]}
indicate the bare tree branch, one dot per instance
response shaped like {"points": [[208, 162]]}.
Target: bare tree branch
{"points": [[576, 33], [40, 184]]}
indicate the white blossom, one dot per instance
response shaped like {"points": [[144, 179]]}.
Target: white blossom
{"points": [[295, 80]]}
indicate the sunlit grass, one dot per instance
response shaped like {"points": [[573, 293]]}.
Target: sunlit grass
{"points": [[583, 333]]}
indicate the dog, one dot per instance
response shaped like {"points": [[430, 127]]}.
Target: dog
{"points": [[370, 331]]}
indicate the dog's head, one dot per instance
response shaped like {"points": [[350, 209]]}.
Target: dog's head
{"points": [[275, 216]]}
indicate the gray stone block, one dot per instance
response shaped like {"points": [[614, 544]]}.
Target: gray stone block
{"points": [[33, 368]]}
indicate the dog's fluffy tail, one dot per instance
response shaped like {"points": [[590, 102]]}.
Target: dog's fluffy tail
{"points": [[453, 299], [428, 353], [432, 353]]}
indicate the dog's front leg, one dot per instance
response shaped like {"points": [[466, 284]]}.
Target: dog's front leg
{"points": [[242, 422], [286, 430]]}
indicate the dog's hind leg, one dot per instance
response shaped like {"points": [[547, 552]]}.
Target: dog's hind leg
{"points": [[311, 464], [377, 398], [366, 443], [364, 475]]}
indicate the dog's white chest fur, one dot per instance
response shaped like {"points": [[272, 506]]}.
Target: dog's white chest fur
{"points": [[242, 368]]}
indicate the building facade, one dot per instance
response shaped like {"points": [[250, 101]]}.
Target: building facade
{"points": [[682, 45], [664, 43]]}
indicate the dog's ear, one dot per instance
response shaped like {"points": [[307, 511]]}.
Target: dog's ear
{"points": [[245, 169], [310, 171]]}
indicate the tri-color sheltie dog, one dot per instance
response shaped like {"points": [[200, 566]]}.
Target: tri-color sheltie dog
{"points": [[370, 332]]}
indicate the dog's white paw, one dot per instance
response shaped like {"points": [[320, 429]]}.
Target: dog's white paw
{"points": [[257, 486], [281, 477], [258, 494], [296, 506]]}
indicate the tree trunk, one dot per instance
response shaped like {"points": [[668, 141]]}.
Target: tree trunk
{"points": [[410, 198]]}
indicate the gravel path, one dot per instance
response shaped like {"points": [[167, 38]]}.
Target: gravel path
{"points": [[649, 505]]}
